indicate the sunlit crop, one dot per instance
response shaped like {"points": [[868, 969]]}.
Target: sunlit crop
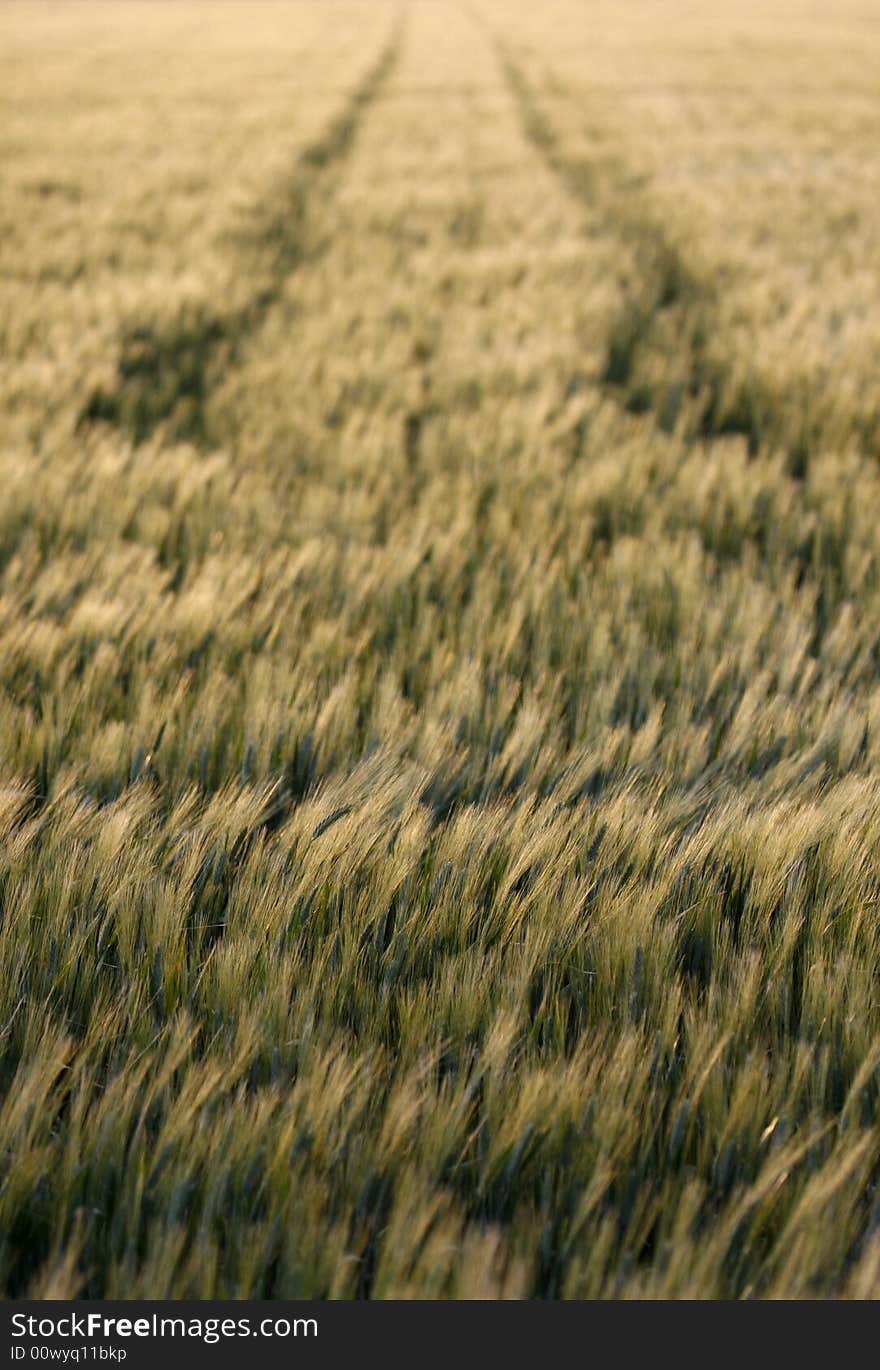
{"points": [[439, 649]]}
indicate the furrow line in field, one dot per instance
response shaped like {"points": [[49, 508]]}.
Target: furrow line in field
{"points": [[165, 373], [662, 353]]}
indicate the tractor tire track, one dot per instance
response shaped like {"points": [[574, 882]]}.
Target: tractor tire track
{"points": [[661, 352], [165, 373]]}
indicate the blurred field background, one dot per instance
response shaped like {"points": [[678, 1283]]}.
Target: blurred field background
{"points": [[439, 649]]}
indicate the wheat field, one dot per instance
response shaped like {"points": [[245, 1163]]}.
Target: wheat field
{"points": [[439, 649]]}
